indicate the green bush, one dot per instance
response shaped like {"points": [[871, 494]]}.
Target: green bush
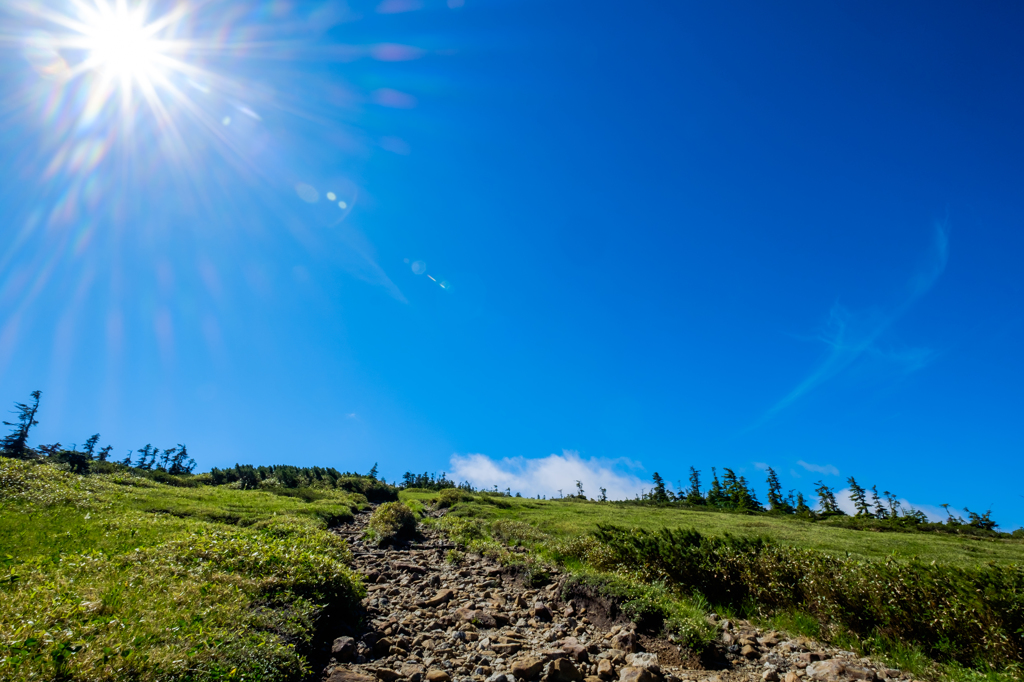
{"points": [[392, 521], [449, 497], [972, 616]]}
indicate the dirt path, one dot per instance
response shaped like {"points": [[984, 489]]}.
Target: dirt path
{"points": [[430, 620]]}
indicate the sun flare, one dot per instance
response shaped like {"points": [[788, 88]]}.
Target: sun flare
{"points": [[121, 45]]}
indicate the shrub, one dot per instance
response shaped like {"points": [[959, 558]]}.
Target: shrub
{"points": [[967, 615], [451, 496], [392, 521]]}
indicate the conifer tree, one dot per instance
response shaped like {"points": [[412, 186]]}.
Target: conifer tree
{"points": [[90, 446], [801, 505], [604, 495], [747, 496], [880, 510], [716, 496], [827, 499], [693, 496], [104, 453], [859, 497], [579, 490], [127, 461], [659, 494], [373, 471], [730, 487], [776, 502], [15, 444]]}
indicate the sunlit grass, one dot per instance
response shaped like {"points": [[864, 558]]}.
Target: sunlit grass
{"points": [[103, 580]]}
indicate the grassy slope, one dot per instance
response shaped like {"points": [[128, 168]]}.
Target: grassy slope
{"points": [[117, 577], [567, 518]]}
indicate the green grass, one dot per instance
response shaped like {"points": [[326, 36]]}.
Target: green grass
{"points": [[562, 532], [563, 519], [114, 577]]}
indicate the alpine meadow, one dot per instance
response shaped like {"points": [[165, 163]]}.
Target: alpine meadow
{"points": [[511, 341]]}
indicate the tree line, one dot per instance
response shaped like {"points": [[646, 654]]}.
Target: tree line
{"points": [[175, 460], [735, 493]]}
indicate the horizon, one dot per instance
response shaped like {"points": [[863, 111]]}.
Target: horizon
{"points": [[525, 243]]}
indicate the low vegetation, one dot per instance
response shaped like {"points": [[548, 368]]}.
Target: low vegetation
{"points": [[391, 522], [937, 604], [120, 577]]}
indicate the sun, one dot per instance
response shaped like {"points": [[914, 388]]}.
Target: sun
{"points": [[121, 45]]}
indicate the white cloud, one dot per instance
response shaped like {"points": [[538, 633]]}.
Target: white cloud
{"points": [[826, 469], [547, 475], [763, 466]]}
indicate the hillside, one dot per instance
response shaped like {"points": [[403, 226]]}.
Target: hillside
{"points": [[119, 577]]}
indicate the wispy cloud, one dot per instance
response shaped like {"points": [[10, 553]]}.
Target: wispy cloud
{"points": [[826, 469], [548, 475], [851, 335]]}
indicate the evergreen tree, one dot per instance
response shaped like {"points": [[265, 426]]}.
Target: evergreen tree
{"points": [[104, 453], [776, 502], [604, 495], [716, 495], [693, 496], [747, 496], [827, 499], [373, 471], [144, 461], [579, 490], [15, 444], [659, 494], [859, 497], [801, 505], [730, 487], [90, 446], [880, 511], [127, 461]]}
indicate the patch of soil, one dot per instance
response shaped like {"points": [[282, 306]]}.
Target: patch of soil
{"points": [[602, 610]]}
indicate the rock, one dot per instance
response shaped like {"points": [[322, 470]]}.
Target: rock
{"points": [[825, 670], [770, 676], [626, 641], [860, 672], [644, 660], [541, 612], [438, 676], [527, 667], [769, 640], [341, 675], [809, 657], [386, 674], [563, 670], [412, 568], [749, 652], [605, 669], [791, 677], [498, 677], [577, 652], [382, 647], [506, 648], [592, 678], [442, 597], [413, 672], [344, 649], [631, 674]]}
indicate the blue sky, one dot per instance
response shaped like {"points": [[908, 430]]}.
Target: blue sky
{"points": [[528, 242]]}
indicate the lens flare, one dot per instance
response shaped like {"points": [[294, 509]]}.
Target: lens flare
{"points": [[121, 45]]}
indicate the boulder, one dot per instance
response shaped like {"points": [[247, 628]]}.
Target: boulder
{"points": [[577, 652], [527, 667], [626, 641], [633, 674], [749, 652], [826, 670], [344, 649], [441, 597], [438, 676], [563, 670], [605, 669], [541, 612]]}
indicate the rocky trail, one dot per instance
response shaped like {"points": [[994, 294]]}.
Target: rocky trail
{"points": [[429, 620]]}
